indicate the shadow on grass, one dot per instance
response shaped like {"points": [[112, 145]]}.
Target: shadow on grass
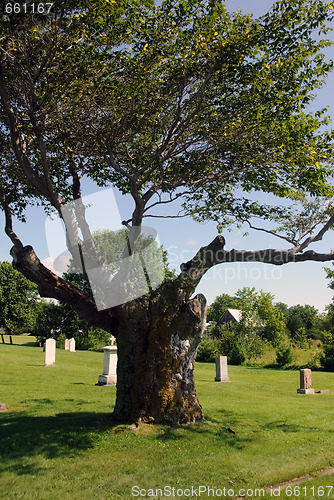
{"points": [[290, 428], [65, 434], [25, 344], [220, 435], [211, 429]]}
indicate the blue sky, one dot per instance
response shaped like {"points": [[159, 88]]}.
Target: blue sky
{"points": [[303, 283]]}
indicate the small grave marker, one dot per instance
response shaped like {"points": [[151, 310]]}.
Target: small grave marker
{"points": [[109, 376], [50, 352], [305, 382], [71, 345], [3, 407], [221, 369]]}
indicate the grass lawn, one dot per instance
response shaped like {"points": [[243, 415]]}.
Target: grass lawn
{"points": [[24, 339], [55, 441], [303, 358]]}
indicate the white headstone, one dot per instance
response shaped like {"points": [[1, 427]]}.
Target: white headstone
{"points": [[109, 376], [67, 344], [72, 345], [50, 352], [221, 369]]}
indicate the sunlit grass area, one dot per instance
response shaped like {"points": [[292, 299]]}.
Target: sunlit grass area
{"points": [[303, 358], [56, 440], [24, 339]]}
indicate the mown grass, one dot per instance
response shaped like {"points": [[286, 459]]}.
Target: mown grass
{"points": [[57, 441], [24, 339]]}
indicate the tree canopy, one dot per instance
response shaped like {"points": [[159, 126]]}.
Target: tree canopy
{"points": [[184, 100]]}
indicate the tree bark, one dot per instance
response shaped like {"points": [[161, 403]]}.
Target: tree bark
{"points": [[157, 342]]}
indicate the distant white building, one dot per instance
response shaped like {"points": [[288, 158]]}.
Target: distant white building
{"points": [[231, 316]]}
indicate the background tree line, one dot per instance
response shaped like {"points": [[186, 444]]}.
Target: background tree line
{"points": [[22, 310], [264, 322]]}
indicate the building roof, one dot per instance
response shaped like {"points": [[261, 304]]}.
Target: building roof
{"points": [[236, 313], [231, 315]]}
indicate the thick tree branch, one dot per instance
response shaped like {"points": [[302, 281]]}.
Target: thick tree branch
{"points": [[114, 165], [53, 196], [166, 216], [214, 254], [134, 187], [8, 221], [50, 285], [163, 202]]}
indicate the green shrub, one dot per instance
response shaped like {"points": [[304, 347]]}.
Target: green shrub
{"points": [[285, 354], [300, 338], [239, 342], [315, 361], [208, 349], [327, 359], [60, 341], [237, 354], [93, 340]]}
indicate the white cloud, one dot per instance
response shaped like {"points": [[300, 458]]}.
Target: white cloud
{"points": [[192, 243]]}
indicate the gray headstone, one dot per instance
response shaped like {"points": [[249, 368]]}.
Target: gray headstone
{"points": [[221, 369], [67, 344]]}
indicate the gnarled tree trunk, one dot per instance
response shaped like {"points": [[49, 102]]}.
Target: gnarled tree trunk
{"points": [[157, 338], [157, 341]]}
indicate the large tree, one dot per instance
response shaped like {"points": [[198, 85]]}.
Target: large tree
{"points": [[178, 101]]}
